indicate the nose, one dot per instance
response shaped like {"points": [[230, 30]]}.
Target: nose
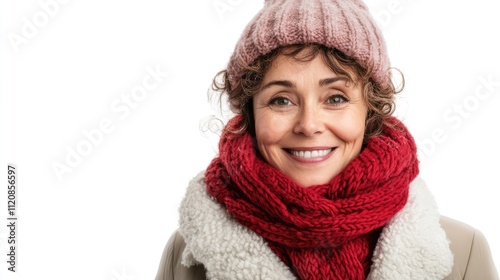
{"points": [[309, 121]]}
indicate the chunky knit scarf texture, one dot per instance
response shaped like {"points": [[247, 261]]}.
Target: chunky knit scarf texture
{"points": [[324, 231]]}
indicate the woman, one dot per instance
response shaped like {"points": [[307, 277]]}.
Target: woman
{"points": [[315, 179]]}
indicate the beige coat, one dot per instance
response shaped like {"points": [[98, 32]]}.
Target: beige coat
{"points": [[220, 248], [472, 257]]}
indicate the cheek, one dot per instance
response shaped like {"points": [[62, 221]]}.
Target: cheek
{"points": [[269, 129], [350, 128]]}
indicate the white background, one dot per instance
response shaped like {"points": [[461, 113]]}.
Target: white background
{"points": [[110, 217]]}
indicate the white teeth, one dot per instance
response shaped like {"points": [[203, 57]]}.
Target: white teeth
{"points": [[311, 154]]}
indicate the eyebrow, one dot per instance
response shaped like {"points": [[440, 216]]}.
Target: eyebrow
{"points": [[328, 81], [285, 83]]}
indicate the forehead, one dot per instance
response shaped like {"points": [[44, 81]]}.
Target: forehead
{"points": [[284, 66], [293, 60]]}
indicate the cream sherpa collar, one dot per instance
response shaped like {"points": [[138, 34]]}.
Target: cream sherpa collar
{"points": [[411, 246]]}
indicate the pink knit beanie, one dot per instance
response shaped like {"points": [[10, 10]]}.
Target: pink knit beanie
{"points": [[345, 25]]}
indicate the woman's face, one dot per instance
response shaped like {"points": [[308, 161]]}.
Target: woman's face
{"points": [[308, 123]]}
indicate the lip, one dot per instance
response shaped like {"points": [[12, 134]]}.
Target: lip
{"points": [[292, 152]]}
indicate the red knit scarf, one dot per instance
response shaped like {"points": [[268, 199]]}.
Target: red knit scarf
{"points": [[324, 231]]}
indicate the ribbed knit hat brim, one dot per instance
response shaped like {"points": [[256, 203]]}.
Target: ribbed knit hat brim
{"points": [[345, 25]]}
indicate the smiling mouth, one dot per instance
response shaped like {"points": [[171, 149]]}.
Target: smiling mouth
{"points": [[310, 154]]}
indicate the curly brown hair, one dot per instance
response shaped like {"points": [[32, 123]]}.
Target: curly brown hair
{"points": [[380, 101]]}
